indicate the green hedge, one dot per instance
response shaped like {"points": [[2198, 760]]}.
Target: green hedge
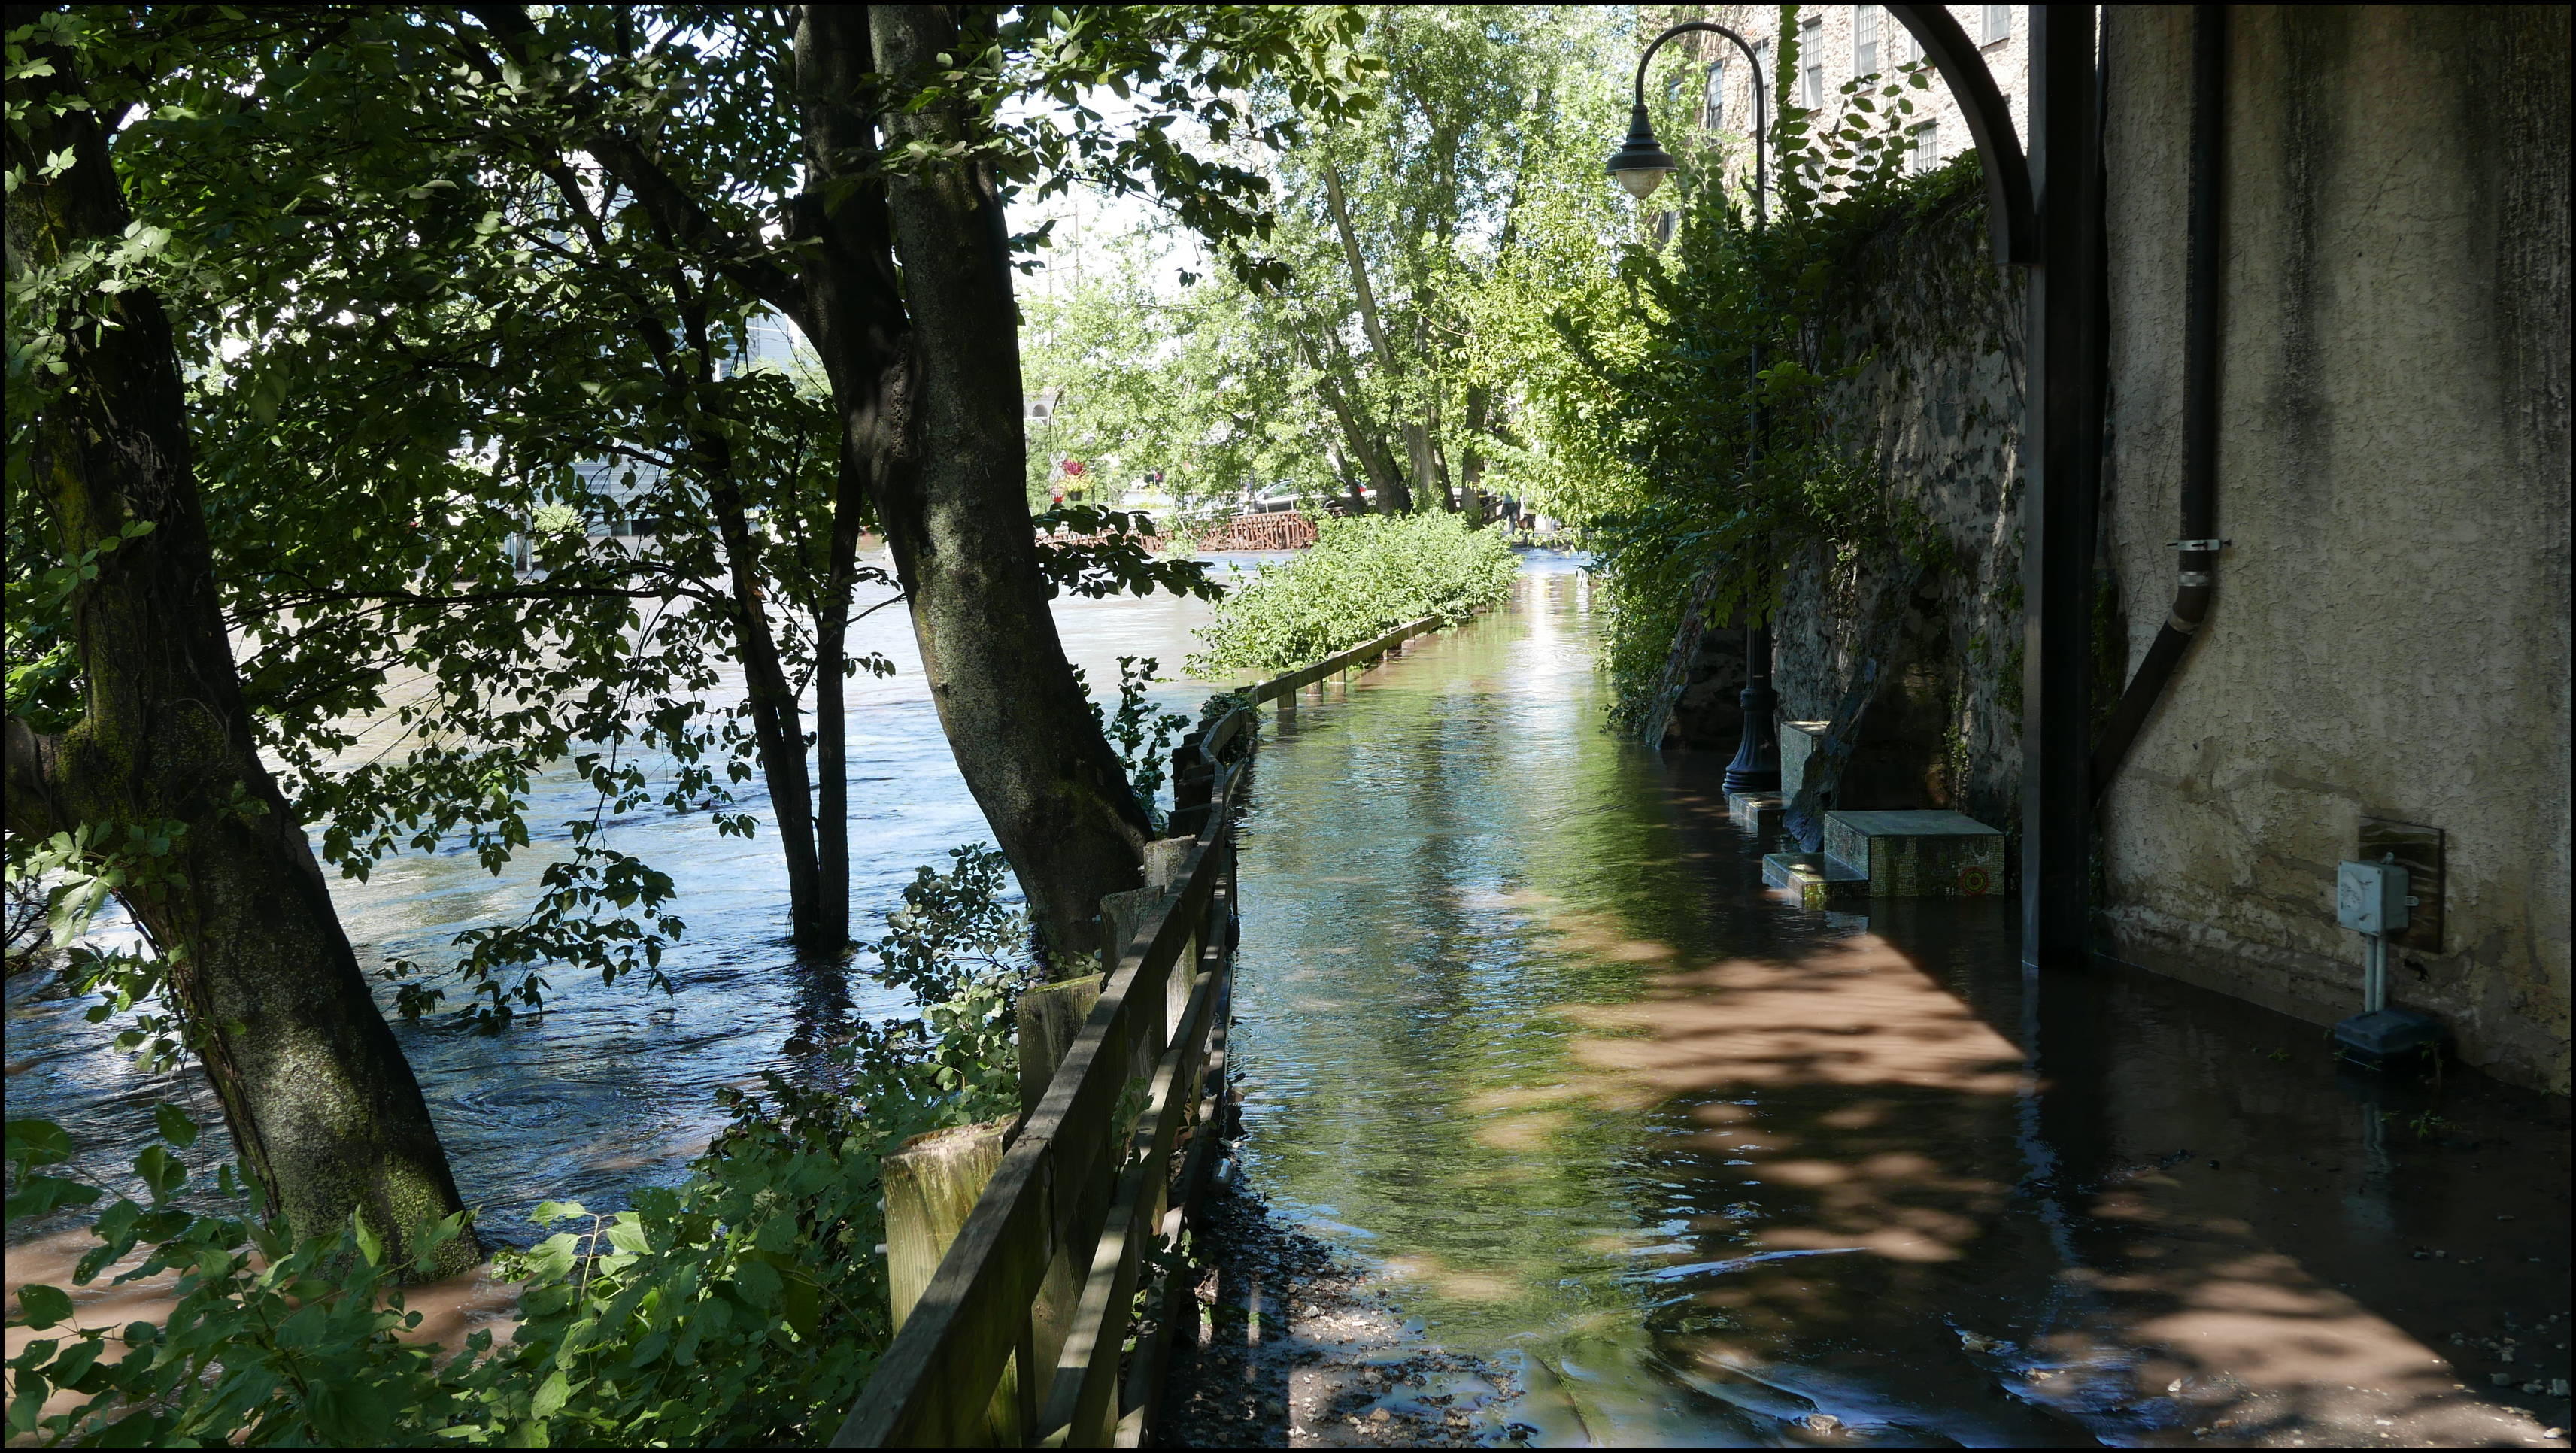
{"points": [[1364, 577]]}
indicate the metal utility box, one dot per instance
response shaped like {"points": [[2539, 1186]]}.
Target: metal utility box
{"points": [[2370, 897]]}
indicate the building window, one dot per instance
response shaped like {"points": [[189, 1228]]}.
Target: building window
{"points": [[1865, 40], [1927, 146], [1998, 23], [1811, 65], [1712, 114]]}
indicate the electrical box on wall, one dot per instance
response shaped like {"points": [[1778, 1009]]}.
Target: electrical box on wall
{"points": [[2419, 850], [2370, 897]]}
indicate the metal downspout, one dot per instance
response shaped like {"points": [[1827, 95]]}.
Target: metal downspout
{"points": [[2197, 582]]}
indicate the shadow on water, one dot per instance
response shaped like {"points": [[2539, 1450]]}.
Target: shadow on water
{"points": [[1522, 1028]]}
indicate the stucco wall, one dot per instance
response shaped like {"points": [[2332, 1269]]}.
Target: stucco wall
{"points": [[2390, 636]]}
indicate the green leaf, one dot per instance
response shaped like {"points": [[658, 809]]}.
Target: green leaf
{"points": [[175, 1125], [42, 1306], [38, 1142], [38, 1196], [370, 1245], [161, 1171]]}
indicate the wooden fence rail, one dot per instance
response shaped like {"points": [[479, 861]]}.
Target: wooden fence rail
{"points": [[1018, 1336]]}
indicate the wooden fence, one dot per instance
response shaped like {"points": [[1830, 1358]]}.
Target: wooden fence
{"points": [[1090, 1192]]}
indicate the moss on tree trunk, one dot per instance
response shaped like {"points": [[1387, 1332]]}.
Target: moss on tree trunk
{"points": [[316, 1091]]}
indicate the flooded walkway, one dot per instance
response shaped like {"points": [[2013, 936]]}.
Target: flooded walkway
{"points": [[1523, 1035]]}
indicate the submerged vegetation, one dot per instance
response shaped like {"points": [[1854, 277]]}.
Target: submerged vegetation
{"points": [[742, 1307], [1363, 577]]}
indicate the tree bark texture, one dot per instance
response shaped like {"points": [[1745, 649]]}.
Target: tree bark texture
{"points": [[925, 376], [1367, 443], [956, 514], [315, 1090], [852, 312]]}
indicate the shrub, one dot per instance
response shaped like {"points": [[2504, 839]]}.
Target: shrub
{"points": [[1363, 578], [743, 1307]]}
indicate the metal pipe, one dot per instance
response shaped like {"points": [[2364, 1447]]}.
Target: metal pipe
{"points": [[2196, 583]]}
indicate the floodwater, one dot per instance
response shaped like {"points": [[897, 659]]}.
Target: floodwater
{"points": [[1521, 1029], [1524, 1035], [612, 1088]]}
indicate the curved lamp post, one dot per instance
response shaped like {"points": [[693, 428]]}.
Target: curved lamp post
{"points": [[1640, 165]]}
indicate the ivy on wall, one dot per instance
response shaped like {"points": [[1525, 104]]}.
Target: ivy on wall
{"points": [[1694, 412]]}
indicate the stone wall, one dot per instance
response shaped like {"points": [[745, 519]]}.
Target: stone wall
{"points": [[2390, 635], [1936, 412]]}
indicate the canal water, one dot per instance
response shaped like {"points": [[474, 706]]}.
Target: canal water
{"points": [[1521, 1029]]}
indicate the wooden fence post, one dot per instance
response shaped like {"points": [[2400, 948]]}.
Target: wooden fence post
{"points": [[930, 1186]]}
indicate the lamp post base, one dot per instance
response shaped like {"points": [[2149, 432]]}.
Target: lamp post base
{"points": [[1756, 767]]}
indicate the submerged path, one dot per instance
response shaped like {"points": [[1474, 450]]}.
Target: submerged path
{"points": [[1522, 1035]]}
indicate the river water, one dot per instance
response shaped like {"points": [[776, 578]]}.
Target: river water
{"points": [[1522, 1032], [612, 1088]]}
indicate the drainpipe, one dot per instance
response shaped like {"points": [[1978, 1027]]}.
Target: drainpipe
{"points": [[2198, 580]]}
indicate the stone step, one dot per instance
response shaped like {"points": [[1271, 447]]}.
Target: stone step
{"points": [[1918, 854], [1814, 879], [1798, 740], [1758, 813]]}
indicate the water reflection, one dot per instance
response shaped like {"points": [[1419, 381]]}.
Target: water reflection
{"points": [[1521, 1027]]}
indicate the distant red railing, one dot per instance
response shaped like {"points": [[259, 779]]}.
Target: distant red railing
{"points": [[1233, 532], [1256, 532]]}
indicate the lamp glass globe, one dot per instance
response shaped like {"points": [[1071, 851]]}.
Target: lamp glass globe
{"points": [[1642, 181]]}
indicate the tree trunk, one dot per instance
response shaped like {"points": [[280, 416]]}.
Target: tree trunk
{"points": [[1471, 462], [1417, 439], [831, 711], [314, 1088], [1366, 446], [957, 517], [854, 316], [777, 723]]}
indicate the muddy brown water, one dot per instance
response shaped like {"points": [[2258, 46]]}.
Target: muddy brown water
{"points": [[1524, 1037], [1522, 1031]]}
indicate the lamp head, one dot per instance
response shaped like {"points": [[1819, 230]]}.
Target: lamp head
{"points": [[1641, 164]]}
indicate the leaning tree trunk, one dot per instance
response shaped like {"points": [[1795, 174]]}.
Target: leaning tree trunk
{"points": [[1019, 723], [319, 1099], [925, 373]]}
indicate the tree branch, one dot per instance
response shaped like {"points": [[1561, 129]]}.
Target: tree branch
{"points": [[681, 217]]}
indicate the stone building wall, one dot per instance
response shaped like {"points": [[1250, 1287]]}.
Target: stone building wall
{"points": [[1839, 41], [2390, 634], [1936, 414]]}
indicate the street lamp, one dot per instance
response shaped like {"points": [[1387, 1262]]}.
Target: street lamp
{"points": [[1640, 165]]}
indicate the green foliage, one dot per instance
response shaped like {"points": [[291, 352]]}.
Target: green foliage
{"points": [[1141, 735], [743, 1307], [1687, 409], [1472, 182], [1363, 577], [1101, 552], [1197, 381]]}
